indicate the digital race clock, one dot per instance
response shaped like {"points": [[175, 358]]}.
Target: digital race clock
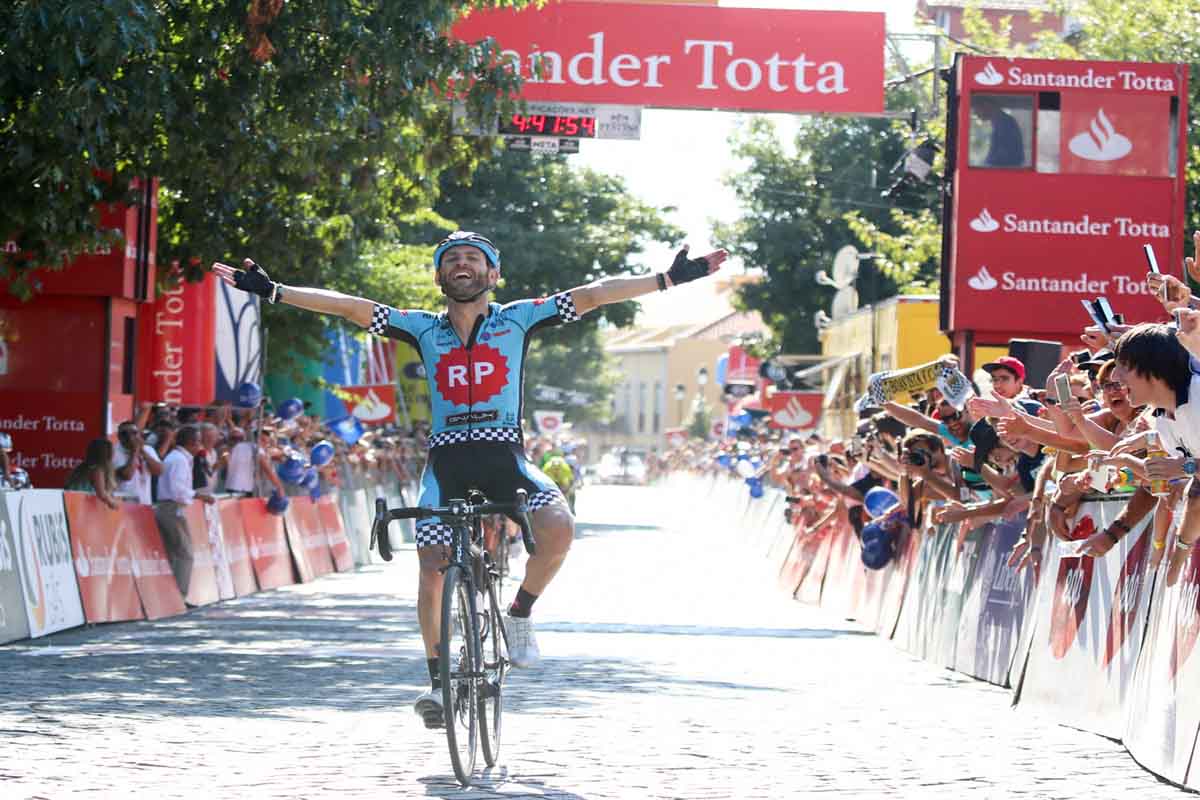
{"points": [[559, 125]]}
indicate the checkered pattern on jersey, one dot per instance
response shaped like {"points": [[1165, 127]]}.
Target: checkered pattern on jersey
{"points": [[547, 498], [431, 533], [475, 435], [566, 307], [379, 320]]}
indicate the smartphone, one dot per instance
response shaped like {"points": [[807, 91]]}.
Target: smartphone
{"points": [[1109, 317], [1151, 261], [1062, 388], [1081, 357], [1094, 312]]}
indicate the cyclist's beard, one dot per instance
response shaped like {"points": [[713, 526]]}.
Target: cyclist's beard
{"points": [[465, 291]]}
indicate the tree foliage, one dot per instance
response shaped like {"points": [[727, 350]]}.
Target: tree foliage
{"points": [[557, 227], [294, 133], [794, 214]]}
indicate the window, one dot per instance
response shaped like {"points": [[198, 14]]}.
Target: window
{"points": [[641, 424], [1001, 131], [658, 407]]}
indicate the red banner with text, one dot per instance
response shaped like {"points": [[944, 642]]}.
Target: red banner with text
{"points": [[268, 544], [103, 556], [152, 573], [177, 339]]}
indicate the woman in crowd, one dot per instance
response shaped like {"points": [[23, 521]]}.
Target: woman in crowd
{"points": [[96, 474]]}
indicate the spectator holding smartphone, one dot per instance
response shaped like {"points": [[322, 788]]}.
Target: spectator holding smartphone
{"points": [[136, 464]]}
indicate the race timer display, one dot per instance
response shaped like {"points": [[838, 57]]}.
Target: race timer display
{"points": [[549, 125]]}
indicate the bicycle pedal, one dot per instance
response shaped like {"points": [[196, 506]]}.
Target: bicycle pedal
{"points": [[434, 721]]}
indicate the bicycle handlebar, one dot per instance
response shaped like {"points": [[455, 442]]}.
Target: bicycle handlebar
{"points": [[457, 510]]}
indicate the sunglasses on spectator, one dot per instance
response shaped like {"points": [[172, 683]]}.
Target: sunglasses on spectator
{"points": [[949, 416], [1113, 386]]}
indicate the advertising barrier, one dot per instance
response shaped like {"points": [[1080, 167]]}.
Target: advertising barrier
{"points": [[216, 544], [237, 550], [202, 588], [103, 558], [268, 543], [156, 585], [335, 534], [13, 622], [48, 581], [357, 524]]}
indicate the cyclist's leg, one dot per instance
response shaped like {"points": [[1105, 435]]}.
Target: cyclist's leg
{"points": [[433, 538], [552, 522]]}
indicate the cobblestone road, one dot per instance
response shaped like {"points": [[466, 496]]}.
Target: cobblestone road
{"points": [[672, 669]]}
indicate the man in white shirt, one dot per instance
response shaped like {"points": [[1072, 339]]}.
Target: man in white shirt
{"points": [[175, 493], [136, 463]]}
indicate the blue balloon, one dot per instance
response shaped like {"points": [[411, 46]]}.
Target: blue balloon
{"points": [[310, 480], [348, 429], [278, 503], [290, 470], [878, 554], [314, 494], [724, 460], [249, 395], [290, 409], [879, 501], [756, 486], [322, 453]]}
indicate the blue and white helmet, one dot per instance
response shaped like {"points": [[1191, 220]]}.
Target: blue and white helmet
{"points": [[479, 242]]}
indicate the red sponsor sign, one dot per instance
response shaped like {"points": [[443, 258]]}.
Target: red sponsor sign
{"points": [[202, 588], [1029, 242], [177, 337], [236, 548], [373, 405], [152, 573], [267, 542], [692, 57], [1115, 134], [796, 410], [476, 376], [1127, 597], [103, 556], [1072, 586], [335, 534]]}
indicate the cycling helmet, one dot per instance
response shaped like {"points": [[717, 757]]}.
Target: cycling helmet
{"points": [[480, 243]]}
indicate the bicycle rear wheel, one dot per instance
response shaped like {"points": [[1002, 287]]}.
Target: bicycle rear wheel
{"points": [[495, 664], [458, 658]]}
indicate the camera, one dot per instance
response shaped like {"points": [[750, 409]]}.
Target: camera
{"points": [[1081, 357], [823, 459], [916, 457]]}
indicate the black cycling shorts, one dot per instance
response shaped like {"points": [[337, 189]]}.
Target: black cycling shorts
{"points": [[498, 469]]}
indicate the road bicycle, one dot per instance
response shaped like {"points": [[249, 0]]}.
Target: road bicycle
{"points": [[473, 651]]}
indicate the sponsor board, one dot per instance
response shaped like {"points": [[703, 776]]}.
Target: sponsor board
{"points": [[216, 544], [48, 582], [13, 622], [335, 533], [267, 542], [156, 584], [103, 558], [202, 588], [237, 550], [1100, 76]]}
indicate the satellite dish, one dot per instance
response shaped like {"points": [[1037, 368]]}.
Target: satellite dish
{"points": [[845, 266], [845, 302]]}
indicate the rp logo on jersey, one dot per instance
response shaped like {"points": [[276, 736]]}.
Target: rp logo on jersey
{"points": [[471, 377]]}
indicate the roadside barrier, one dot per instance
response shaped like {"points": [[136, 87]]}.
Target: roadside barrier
{"points": [[66, 559], [1101, 644]]}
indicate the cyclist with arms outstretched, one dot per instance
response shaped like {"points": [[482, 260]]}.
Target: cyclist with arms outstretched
{"points": [[474, 354]]}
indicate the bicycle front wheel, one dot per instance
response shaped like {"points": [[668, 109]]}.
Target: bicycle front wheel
{"points": [[495, 664], [458, 658]]}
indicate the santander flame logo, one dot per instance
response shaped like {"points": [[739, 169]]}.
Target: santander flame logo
{"points": [[793, 415], [989, 76], [982, 280], [1100, 142], [371, 408], [984, 223]]}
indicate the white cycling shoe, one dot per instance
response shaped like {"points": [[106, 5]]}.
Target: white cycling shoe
{"points": [[522, 644], [429, 708]]}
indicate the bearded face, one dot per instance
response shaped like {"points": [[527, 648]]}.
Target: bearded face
{"points": [[464, 273]]}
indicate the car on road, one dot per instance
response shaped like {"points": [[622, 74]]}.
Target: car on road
{"points": [[621, 466]]}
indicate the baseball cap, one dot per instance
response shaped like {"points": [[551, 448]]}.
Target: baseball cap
{"points": [[1009, 363], [1097, 360]]}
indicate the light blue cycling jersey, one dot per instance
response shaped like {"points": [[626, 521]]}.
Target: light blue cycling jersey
{"points": [[476, 391]]}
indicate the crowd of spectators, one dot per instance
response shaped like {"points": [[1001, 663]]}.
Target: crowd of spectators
{"points": [[1120, 414]]}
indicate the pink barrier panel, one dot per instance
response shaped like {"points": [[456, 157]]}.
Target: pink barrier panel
{"points": [[1093, 616], [202, 588], [267, 540], [1163, 706], [237, 551], [103, 559], [335, 534], [811, 584], [899, 575], [843, 577], [307, 540], [156, 585]]}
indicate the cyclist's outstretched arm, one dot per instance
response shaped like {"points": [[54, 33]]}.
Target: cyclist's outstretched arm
{"points": [[615, 290], [253, 279]]}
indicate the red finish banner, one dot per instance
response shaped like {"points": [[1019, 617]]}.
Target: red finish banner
{"points": [[177, 339], [237, 551], [152, 573], [103, 555], [202, 588], [267, 542], [691, 57], [335, 533]]}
